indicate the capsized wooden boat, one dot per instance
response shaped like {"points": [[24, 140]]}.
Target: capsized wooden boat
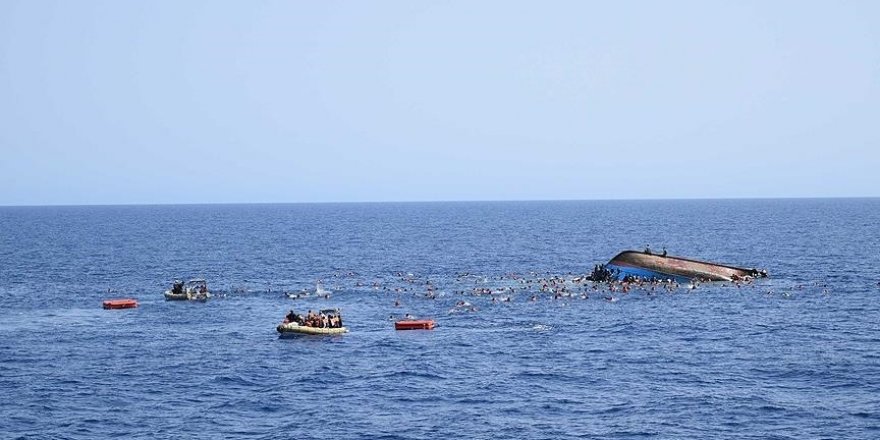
{"points": [[292, 328], [652, 266]]}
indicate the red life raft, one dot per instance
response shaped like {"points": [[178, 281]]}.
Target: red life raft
{"points": [[122, 303], [411, 324]]}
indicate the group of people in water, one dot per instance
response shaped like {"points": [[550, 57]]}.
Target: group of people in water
{"points": [[317, 320], [602, 274], [605, 282]]}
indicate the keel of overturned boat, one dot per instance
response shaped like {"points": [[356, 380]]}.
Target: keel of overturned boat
{"points": [[645, 265]]}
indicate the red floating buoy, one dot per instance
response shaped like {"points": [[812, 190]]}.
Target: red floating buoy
{"points": [[122, 303], [410, 324]]}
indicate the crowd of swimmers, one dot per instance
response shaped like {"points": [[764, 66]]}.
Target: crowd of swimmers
{"points": [[603, 282], [602, 274], [317, 320]]}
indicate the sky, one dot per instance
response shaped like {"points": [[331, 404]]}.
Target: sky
{"points": [[130, 102]]}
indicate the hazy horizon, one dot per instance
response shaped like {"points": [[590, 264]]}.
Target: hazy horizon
{"points": [[108, 103], [368, 202]]}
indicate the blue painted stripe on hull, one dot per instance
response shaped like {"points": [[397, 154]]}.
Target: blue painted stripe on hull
{"points": [[640, 272]]}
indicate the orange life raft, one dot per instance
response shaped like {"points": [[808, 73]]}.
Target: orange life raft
{"points": [[411, 324], [122, 303]]}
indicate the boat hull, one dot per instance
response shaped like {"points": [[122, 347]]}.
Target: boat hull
{"points": [[650, 266], [186, 296], [638, 272], [293, 329]]}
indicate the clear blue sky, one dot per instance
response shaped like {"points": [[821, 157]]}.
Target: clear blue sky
{"points": [[309, 101]]}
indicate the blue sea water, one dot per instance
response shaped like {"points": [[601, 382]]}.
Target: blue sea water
{"points": [[794, 356]]}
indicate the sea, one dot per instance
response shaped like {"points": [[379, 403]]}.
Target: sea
{"points": [[514, 355]]}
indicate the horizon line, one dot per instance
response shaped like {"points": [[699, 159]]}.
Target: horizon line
{"points": [[644, 199]]}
